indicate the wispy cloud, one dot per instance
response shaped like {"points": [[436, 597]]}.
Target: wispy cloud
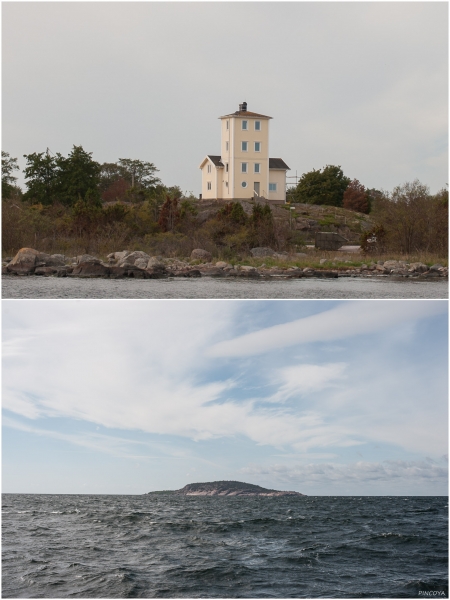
{"points": [[346, 320], [148, 367], [417, 472]]}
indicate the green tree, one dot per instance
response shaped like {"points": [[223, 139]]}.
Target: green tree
{"points": [[140, 174], [325, 186], [9, 165], [233, 211], [262, 226], [41, 177], [78, 175]]}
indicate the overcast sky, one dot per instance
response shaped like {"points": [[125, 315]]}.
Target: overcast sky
{"points": [[361, 85], [321, 397]]}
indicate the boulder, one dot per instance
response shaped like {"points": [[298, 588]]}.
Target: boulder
{"points": [[436, 267], [86, 258], [24, 261], [260, 252], [222, 264], [212, 272], [250, 274], [46, 271], [417, 267], [141, 263], [90, 269], [118, 256], [194, 273], [155, 267], [199, 254], [55, 260], [137, 273], [117, 272], [247, 268], [132, 257]]}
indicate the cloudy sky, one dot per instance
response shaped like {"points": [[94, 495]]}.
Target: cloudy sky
{"points": [[322, 397], [361, 85]]}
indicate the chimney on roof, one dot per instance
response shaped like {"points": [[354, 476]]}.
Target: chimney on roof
{"points": [[243, 107]]}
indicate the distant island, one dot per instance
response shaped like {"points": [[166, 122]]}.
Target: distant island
{"points": [[225, 488]]}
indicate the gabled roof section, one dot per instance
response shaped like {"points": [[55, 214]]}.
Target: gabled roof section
{"points": [[216, 160], [278, 163], [244, 114]]}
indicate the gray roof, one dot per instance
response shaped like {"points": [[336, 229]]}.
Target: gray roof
{"points": [[274, 163], [216, 160], [278, 163]]}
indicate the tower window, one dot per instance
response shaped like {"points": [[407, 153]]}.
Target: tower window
{"points": [[226, 146], [226, 167], [208, 185], [227, 124], [209, 168], [257, 167], [272, 187], [257, 125], [243, 167], [244, 146], [244, 184], [245, 125], [257, 146]]}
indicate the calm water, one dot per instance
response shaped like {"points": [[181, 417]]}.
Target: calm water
{"points": [[140, 546], [346, 287]]}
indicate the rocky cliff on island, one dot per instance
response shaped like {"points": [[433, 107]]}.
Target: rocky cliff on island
{"points": [[226, 488]]}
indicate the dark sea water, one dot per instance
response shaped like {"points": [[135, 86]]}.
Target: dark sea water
{"points": [[60, 546], [206, 287]]}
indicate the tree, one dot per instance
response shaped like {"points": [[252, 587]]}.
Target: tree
{"points": [[116, 191], [140, 174], [110, 173], [325, 186], [78, 175], [8, 166], [233, 211], [169, 215], [413, 219], [355, 197], [262, 226], [41, 175]]}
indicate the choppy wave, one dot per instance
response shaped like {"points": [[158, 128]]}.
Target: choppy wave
{"points": [[289, 547]]}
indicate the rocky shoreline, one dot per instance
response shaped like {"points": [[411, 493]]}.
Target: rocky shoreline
{"points": [[139, 265]]}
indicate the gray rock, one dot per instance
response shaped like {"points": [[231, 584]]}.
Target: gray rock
{"points": [[260, 252], [155, 262], [86, 258], [90, 269], [46, 271], [141, 263], [200, 254], [247, 268], [212, 272], [436, 267], [117, 272], [249, 274], [132, 257]]}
